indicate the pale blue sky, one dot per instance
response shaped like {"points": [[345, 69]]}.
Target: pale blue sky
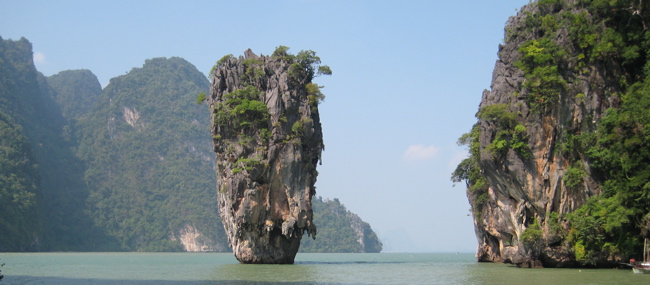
{"points": [[407, 80]]}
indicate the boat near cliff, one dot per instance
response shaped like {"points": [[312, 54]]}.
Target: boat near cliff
{"points": [[642, 267]]}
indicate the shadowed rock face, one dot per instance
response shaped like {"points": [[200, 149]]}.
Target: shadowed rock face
{"points": [[267, 139]]}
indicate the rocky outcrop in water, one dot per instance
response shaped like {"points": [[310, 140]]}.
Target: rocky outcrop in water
{"points": [[267, 139], [523, 189], [558, 71]]}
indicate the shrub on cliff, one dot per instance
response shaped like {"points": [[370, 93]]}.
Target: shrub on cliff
{"points": [[304, 66], [541, 63], [620, 158], [242, 110], [469, 171], [511, 135], [532, 238]]}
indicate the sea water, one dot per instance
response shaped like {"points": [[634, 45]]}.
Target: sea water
{"points": [[316, 268]]}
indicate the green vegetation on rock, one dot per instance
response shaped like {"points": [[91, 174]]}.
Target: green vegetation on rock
{"points": [[576, 58], [541, 64], [611, 224], [242, 111], [19, 186], [469, 171], [511, 135]]}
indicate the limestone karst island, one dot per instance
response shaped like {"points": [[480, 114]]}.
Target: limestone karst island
{"points": [[268, 140], [559, 166]]}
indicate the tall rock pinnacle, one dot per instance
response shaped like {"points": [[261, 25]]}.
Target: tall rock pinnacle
{"points": [[267, 138]]}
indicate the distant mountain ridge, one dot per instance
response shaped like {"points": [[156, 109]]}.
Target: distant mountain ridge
{"points": [[41, 201], [150, 173], [340, 230]]}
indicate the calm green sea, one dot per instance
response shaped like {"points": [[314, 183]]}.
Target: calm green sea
{"points": [[318, 268]]}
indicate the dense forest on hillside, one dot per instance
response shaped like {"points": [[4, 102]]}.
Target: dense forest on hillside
{"points": [[19, 177], [41, 201], [75, 92], [581, 80], [126, 168], [339, 230], [149, 167], [129, 168]]}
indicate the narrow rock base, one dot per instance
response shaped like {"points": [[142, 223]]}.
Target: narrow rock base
{"points": [[279, 250]]}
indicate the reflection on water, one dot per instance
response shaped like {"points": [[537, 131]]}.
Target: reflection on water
{"points": [[265, 273], [352, 269]]}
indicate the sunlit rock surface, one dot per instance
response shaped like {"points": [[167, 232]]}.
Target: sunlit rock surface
{"points": [[523, 189], [266, 162]]}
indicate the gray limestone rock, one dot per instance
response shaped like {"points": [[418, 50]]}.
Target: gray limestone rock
{"points": [[268, 140], [524, 189]]}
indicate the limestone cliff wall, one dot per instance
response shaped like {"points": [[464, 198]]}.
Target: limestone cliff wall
{"points": [[528, 186], [266, 157]]}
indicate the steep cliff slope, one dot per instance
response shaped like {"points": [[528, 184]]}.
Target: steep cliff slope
{"points": [[42, 194], [268, 140], [68, 95], [19, 176], [540, 166]]}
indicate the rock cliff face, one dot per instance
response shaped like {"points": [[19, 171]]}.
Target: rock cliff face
{"points": [[528, 170], [268, 140], [366, 238]]}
